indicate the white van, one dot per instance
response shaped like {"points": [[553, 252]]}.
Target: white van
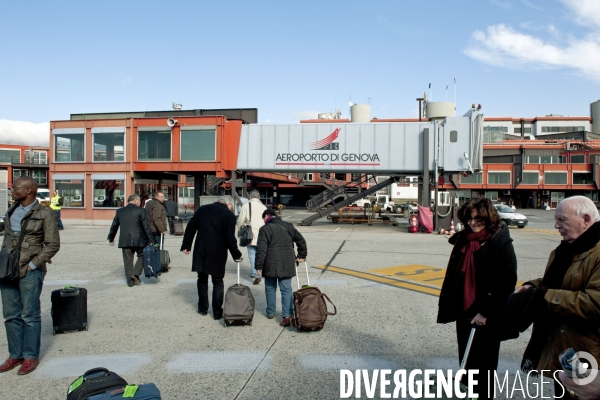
{"points": [[43, 196]]}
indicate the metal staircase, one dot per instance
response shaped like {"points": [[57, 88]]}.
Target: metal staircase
{"points": [[329, 196], [349, 200]]}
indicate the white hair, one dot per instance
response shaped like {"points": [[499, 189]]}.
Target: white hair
{"points": [[255, 194], [583, 206], [226, 199]]}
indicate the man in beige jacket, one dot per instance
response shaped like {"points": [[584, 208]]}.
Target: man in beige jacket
{"points": [[256, 221]]}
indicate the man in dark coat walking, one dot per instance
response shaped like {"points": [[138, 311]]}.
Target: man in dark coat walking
{"points": [[172, 210], [214, 228], [276, 259], [135, 235]]}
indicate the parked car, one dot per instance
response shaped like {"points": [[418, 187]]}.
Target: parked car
{"points": [[1, 224], [510, 216]]}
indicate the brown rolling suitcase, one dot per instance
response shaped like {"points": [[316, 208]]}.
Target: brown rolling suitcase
{"points": [[310, 308], [238, 306], [177, 228]]}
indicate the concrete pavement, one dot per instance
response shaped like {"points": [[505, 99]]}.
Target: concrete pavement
{"points": [[383, 281]]}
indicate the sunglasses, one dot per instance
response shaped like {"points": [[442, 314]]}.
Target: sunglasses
{"points": [[476, 220]]}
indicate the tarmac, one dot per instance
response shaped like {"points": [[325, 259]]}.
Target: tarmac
{"points": [[383, 281]]}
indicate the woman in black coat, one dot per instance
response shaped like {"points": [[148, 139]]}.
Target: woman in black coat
{"points": [[481, 274], [276, 261]]}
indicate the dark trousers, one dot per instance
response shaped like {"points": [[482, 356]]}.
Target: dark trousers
{"points": [[483, 355], [130, 269], [60, 224], [170, 221], [156, 236], [217, 295]]}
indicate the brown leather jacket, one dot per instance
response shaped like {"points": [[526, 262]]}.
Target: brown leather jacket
{"points": [[575, 308], [41, 241], [157, 216]]}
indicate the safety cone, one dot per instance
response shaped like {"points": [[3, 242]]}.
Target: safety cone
{"points": [[444, 232], [452, 231]]}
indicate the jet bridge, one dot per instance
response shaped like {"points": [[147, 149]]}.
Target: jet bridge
{"points": [[452, 145]]}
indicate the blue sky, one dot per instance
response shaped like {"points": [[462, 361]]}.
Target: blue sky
{"points": [[291, 60]]}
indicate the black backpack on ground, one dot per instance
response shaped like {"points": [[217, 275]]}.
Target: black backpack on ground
{"points": [[94, 381]]}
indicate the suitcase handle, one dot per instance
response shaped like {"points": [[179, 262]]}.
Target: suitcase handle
{"points": [[324, 296], [162, 241], [69, 292], [95, 371], [238, 268], [298, 277], [463, 363]]}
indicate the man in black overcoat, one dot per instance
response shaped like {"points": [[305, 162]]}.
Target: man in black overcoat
{"points": [[135, 235], [214, 228]]}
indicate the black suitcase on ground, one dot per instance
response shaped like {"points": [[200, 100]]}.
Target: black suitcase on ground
{"points": [[165, 259], [152, 261], [69, 309], [238, 306], [95, 381], [178, 228]]}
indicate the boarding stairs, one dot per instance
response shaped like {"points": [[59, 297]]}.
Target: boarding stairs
{"points": [[329, 196], [347, 201]]}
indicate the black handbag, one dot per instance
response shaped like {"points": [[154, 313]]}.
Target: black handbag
{"points": [[10, 259], [245, 232]]}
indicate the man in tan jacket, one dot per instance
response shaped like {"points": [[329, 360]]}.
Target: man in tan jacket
{"points": [[21, 297], [256, 221], [157, 215], [566, 303]]}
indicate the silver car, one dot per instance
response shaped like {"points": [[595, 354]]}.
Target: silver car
{"points": [[510, 216]]}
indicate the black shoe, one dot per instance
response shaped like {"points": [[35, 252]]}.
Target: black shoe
{"points": [[217, 317], [136, 279], [202, 312], [130, 283]]}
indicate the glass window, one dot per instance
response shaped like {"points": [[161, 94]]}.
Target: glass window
{"points": [[18, 173], [453, 136], [69, 148], [72, 191], [10, 156], [527, 130], [578, 159], [198, 145], [109, 193], [546, 159], [582, 178], [554, 129], [473, 178], [555, 178], [562, 159], [517, 130], [109, 146], [531, 178], [40, 176], [498, 178], [36, 157], [545, 129], [581, 128], [493, 196], [533, 159], [154, 146]]}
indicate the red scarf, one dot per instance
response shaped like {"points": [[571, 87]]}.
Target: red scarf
{"points": [[474, 241]]}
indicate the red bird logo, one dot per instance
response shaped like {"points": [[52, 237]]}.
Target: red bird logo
{"points": [[327, 143]]}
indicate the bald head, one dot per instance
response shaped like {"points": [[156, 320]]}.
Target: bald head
{"points": [[24, 190], [574, 215]]}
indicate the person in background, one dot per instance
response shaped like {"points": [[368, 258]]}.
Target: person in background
{"points": [[172, 210], [480, 276], [135, 235], [276, 259], [213, 226], [256, 221], [21, 298], [56, 203]]}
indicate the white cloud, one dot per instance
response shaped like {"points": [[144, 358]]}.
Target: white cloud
{"points": [[26, 133], [587, 12], [125, 81], [300, 115], [502, 46]]}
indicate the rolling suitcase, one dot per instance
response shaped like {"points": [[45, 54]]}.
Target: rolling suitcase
{"points": [[152, 261], [178, 228], [165, 260], [239, 303], [69, 309], [310, 308], [94, 381], [147, 391]]}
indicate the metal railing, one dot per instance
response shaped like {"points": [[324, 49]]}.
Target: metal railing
{"points": [[326, 197], [33, 160]]}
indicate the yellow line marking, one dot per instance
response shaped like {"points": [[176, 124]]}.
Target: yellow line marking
{"points": [[380, 279], [546, 231], [416, 277]]}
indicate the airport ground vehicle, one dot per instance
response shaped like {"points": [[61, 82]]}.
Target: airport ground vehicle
{"points": [[510, 216]]}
